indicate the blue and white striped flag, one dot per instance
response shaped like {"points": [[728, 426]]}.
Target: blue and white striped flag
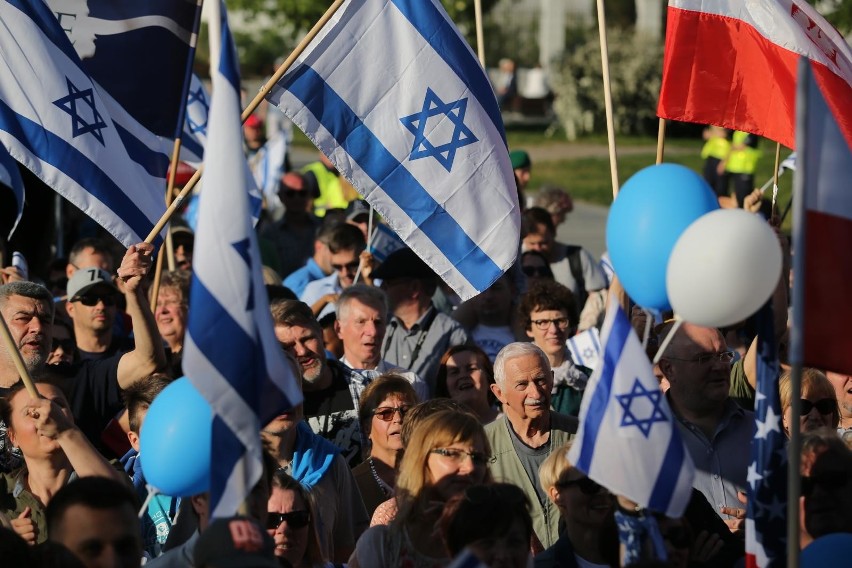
{"points": [[195, 121], [58, 123], [231, 354], [627, 440], [393, 95]]}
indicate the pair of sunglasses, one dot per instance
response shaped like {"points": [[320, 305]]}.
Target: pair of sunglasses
{"points": [[294, 520], [385, 413], [586, 485], [92, 300], [823, 406]]}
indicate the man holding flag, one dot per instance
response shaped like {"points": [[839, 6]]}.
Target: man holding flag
{"points": [[231, 354]]}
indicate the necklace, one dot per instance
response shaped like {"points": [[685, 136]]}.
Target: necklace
{"points": [[387, 490]]}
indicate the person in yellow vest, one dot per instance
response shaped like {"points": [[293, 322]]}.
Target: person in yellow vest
{"points": [[741, 163], [716, 148], [334, 191]]}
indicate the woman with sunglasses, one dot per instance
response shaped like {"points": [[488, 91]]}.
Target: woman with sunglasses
{"points": [[466, 375], [586, 509], [383, 406], [292, 524], [448, 452], [818, 403]]}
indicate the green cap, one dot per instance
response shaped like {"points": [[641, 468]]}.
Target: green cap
{"points": [[519, 159]]}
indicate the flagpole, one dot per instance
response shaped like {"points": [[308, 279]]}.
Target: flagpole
{"points": [[480, 36], [797, 346], [775, 178], [661, 140], [610, 126], [245, 114], [17, 359]]}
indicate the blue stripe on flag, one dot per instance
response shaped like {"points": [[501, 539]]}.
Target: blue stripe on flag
{"points": [[222, 338], [56, 151], [663, 491], [229, 65], [431, 23], [386, 171], [191, 144], [228, 451], [153, 162], [600, 401]]}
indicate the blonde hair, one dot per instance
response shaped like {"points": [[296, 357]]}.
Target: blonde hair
{"points": [[814, 382], [437, 430], [554, 468]]}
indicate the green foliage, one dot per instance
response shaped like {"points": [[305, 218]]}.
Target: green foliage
{"points": [[284, 22], [635, 76]]}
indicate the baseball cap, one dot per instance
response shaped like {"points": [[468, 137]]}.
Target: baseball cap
{"points": [[86, 279], [520, 159], [403, 263], [253, 121], [235, 542]]}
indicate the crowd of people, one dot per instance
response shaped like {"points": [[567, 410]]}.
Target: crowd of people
{"points": [[430, 427]]}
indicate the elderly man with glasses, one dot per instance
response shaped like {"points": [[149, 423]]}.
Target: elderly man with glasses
{"points": [[716, 431]]}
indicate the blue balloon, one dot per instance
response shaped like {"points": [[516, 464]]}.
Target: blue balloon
{"points": [[828, 550], [651, 211], [175, 441]]}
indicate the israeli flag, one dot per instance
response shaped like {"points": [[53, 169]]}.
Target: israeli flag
{"points": [[58, 123], [585, 348], [627, 440], [11, 178], [231, 354], [393, 95], [195, 121]]}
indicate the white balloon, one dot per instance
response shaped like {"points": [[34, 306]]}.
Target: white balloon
{"points": [[723, 268]]}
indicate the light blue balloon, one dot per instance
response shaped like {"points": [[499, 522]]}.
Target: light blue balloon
{"points": [[175, 441], [651, 211], [828, 550]]}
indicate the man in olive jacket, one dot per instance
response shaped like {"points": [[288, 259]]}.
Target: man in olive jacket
{"points": [[528, 431]]}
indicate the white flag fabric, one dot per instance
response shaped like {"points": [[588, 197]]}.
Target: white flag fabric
{"points": [[231, 354], [58, 123], [627, 440], [393, 95], [585, 348]]}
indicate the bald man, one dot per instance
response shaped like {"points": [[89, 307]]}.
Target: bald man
{"points": [[716, 431]]}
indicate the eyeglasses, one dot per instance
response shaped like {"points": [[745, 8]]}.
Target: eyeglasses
{"points": [[586, 485], [536, 271], [385, 413], [544, 324], [703, 359], [457, 455], [294, 519], [92, 300], [823, 406], [349, 266]]}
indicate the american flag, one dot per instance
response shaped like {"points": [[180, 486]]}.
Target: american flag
{"points": [[766, 521]]}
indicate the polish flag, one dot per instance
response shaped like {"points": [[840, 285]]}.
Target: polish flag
{"points": [[733, 63], [822, 316]]}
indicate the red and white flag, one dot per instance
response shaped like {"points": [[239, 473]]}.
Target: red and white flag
{"points": [[732, 63], [822, 229]]}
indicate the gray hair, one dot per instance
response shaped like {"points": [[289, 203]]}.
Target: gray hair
{"points": [[369, 295], [27, 290], [513, 351]]}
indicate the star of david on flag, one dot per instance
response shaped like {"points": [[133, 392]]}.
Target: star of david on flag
{"points": [[417, 131], [627, 440], [79, 123], [231, 354], [451, 114]]}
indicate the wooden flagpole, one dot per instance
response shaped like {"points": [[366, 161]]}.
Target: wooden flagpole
{"points": [[176, 204], [610, 125], [661, 140], [170, 253], [480, 36], [775, 179]]}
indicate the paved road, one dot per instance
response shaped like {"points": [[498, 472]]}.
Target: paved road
{"points": [[584, 226]]}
